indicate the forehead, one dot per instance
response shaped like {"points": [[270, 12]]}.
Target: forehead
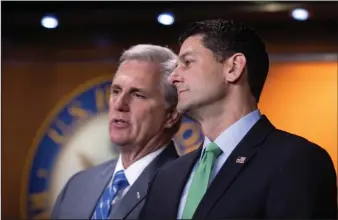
{"points": [[134, 72], [192, 44]]}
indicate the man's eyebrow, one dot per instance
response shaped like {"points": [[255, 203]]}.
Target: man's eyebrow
{"points": [[132, 89], [184, 55], [115, 86]]}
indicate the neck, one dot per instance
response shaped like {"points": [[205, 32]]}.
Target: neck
{"points": [[132, 153], [216, 118]]}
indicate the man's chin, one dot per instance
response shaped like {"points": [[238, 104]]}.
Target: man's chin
{"points": [[187, 112], [119, 141], [182, 108]]}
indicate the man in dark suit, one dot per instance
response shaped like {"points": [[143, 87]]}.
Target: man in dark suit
{"points": [[245, 168], [142, 121]]}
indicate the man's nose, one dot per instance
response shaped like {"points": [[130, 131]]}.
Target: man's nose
{"points": [[121, 103], [174, 77]]}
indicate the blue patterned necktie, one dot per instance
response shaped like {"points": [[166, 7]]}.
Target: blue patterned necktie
{"points": [[104, 204]]}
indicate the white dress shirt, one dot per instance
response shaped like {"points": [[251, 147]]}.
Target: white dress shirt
{"points": [[135, 169], [227, 141]]}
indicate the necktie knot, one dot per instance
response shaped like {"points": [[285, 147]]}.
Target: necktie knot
{"points": [[120, 180], [214, 149]]}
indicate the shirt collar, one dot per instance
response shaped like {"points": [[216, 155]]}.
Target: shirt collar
{"points": [[135, 169], [229, 138]]}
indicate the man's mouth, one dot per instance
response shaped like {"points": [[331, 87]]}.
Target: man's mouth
{"points": [[119, 121], [181, 91]]}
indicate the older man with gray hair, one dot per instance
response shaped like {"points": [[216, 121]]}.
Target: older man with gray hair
{"points": [[142, 121]]}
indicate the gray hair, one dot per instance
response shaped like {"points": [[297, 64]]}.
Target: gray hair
{"points": [[165, 58]]}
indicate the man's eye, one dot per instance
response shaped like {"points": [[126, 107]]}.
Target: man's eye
{"points": [[187, 62], [139, 96], [114, 91]]}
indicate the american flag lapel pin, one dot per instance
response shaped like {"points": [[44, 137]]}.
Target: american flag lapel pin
{"points": [[240, 159]]}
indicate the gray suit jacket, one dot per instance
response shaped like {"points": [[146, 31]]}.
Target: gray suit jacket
{"points": [[78, 198]]}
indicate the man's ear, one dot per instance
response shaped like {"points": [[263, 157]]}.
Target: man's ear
{"points": [[172, 116], [234, 67]]}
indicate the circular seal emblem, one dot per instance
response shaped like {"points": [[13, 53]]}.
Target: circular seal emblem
{"points": [[74, 137]]}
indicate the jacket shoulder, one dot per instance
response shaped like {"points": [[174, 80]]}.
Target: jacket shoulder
{"points": [[290, 139], [288, 145], [94, 169]]}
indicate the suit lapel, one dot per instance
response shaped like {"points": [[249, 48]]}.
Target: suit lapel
{"points": [[238, 159], [138, 190], [96, 187], [134, 196]]}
